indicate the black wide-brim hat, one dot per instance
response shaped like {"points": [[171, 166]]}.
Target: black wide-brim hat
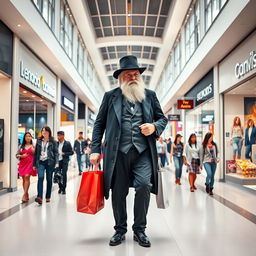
{"points": [[128, 62]]}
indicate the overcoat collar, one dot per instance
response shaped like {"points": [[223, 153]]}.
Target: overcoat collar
{"points": [[117, 104]]}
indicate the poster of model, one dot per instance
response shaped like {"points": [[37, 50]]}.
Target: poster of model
{"points": [[249, 109]]}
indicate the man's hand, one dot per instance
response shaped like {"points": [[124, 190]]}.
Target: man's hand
{"points": [[147, 129], [95, 158]]}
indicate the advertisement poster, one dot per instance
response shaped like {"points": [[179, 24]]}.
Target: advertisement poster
{"points": [[249, 109], [230, 166]]}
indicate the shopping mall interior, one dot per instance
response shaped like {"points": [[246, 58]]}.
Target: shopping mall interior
{"points": [[156, 100]]}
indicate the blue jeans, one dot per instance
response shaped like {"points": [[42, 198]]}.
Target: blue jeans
{"points": [[163, 159], [237, 146], [178, 162], [248, 151], [210, 169], [42, 168]]}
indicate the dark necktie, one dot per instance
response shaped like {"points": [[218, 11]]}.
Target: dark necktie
{"points": [[132, 105]]}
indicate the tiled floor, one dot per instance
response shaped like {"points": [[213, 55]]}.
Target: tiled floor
{"points": [[194, 225]]}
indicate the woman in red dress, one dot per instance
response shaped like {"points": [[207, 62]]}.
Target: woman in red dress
{"points": [[26, 155]]}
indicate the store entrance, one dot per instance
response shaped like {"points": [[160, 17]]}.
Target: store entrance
{"points": [[33, 111]]}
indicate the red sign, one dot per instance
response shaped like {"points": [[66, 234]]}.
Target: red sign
{"points": [[185, 104]]}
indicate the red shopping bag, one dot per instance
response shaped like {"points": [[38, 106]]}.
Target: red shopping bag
{"points": [[90, 198]]}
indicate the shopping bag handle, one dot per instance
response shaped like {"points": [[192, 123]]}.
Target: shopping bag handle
{"points": [[95, 166]]}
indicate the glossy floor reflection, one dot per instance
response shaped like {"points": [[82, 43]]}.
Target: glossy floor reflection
{"points": [[194, 225]]}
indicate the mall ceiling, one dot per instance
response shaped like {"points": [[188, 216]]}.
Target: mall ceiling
{"points": [[124, 27]]}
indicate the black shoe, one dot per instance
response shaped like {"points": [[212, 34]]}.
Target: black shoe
{"points": [[117, 239], [63, 192], [59, 192], [210, 192], [207, 188], [80, 173], [142, 239]]}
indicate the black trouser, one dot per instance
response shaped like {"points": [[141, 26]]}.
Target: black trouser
{"points": [[63, 165], [137, 168]]}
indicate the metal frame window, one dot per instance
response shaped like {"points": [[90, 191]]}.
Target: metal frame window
{"points": [[177, 59], [192, 31], [66, 29], [47, 10], [80, 56], [212, 9]]}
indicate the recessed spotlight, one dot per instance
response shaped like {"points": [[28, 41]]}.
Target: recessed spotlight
{"points": [[27, 100], [24, 91], [33, 96], [18, 25], [41, 100]]}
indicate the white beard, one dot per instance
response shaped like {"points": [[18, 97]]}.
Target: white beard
{"points": [[133, 91]]}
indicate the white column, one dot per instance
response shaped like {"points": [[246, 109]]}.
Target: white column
{"points": [[218, 117], [57, 107], [76, 117], [14, 115], [86, 120]]}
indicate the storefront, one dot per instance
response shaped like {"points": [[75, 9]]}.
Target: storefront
{"points": [[67, 123], [37, 94], [200, 119], [6, 70], [237, 77]]}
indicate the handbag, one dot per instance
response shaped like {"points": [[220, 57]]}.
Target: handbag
{"points": [[162, 197], [90, 198]]}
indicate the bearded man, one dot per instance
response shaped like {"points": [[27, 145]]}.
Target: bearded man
{"points": [[132, 119]]}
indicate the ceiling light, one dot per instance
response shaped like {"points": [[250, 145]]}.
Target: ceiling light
{"points": [[18, 25], [129, 15], [27, 100], [41, 100], [24, 91], [33, 96]]}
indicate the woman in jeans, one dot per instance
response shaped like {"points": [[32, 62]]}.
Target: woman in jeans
{"points": [[45, 160], [192, 160], [237, 137], [161, 150], [208, 157], [177, 154]]}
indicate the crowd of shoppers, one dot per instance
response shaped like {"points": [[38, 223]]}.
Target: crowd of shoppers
{"points": [[45, 156]]}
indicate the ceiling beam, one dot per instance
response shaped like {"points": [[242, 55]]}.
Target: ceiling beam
{"points": [[129, 40], [140, 60]]}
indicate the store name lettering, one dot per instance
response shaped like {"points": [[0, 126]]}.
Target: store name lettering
{"points": [[245, 67], [35, 80], [204, 93]]}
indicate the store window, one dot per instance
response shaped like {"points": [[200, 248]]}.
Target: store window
{"points": [[212, 9], [66, 29], [47, 10], [240, 149], [33, 113]]}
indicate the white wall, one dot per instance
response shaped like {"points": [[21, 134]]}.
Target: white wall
{"points": [[5, 113]]}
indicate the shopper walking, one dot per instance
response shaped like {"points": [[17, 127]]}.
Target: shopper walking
{"points": [[237, 137], [209, 159], [65, 151], [45, 160], [79, 148], [161, 150], [192, 160], [132, 119], [26, 156], [177, 155], [250, 138]]}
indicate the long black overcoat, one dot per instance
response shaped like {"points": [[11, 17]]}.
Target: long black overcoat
{"points": [[109, 121]]}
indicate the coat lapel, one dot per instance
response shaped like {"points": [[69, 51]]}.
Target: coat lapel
{"points": [[117, 103]]}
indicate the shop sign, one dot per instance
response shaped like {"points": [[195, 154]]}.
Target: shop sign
{"points": [[230, 166], [68, 103], [246, 66], [185, 104], [36, 80], [173, 117], [203, 90]]}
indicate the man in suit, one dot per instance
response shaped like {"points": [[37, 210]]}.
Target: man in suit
{"points": [[79, 148], [132, 119], [65, 151]]}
